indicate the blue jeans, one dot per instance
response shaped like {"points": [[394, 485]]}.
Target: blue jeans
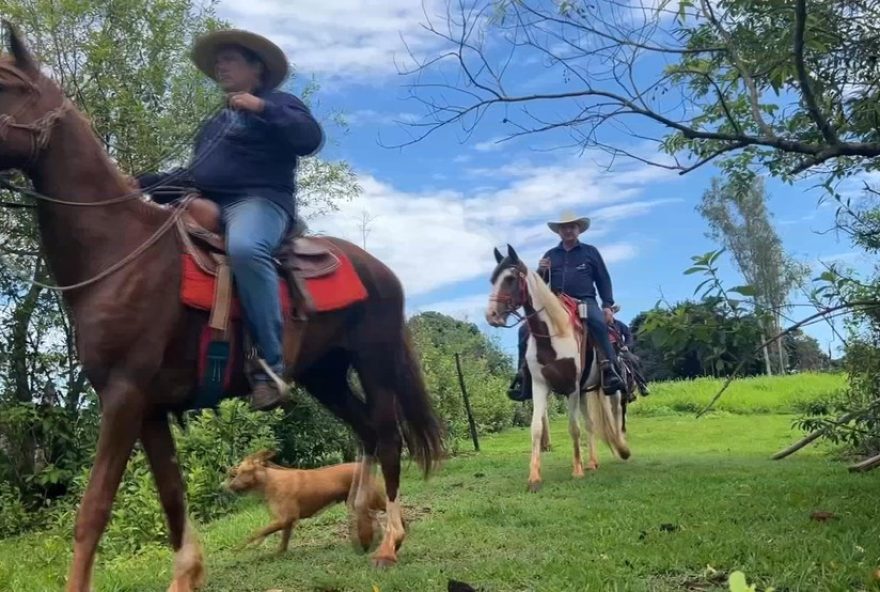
{"points": [[255, 228], [596, 325]]}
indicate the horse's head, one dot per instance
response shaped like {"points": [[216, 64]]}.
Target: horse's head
{"points": [[30, 105], [509, 288]]}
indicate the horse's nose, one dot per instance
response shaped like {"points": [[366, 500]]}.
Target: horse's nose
{"points": [[492, 317]]}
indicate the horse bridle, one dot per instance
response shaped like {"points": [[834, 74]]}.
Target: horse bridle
{"points": [[513, 304], [41, 128]]}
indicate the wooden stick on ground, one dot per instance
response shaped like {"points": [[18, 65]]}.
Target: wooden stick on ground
{"points": [[866, 465], [821, 431]]}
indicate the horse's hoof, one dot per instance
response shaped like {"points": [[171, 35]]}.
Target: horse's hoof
{"points": [[593, 467], [384, 562], [577, 474], [534, 487]]}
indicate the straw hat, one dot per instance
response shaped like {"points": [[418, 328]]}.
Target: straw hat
{"points": [[570, 218], [206, 47]]}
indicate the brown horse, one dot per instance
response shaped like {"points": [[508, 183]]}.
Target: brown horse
{"points": [[121, 271]]}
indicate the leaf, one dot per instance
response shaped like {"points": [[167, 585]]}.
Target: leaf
{"points": [[745, 290], [695, 269], [737, 583]]}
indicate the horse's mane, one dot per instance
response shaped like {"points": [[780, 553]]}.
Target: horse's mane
{"points": [[544, 298]]}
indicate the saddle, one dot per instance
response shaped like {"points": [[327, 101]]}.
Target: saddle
{"points": [[297, 258]]}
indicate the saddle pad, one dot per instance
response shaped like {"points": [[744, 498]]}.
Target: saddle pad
{"points": [[335, 291]]}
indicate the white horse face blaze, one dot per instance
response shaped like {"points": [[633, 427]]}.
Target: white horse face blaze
{"points": [[503, 293]]}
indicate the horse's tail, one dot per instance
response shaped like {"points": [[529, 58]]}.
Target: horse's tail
{"points": [[420, 425], [604, 421]]}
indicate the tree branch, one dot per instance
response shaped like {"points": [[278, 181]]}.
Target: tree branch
{"points": [[800, 25]]}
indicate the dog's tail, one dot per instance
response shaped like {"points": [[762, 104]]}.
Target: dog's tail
{"points": [[420, 424]]}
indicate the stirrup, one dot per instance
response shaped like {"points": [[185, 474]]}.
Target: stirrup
{"points": [[282, 386]]}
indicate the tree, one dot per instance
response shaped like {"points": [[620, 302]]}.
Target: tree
{"points": [[791, 85], [736, 211], [804, 353], [703, 339]]}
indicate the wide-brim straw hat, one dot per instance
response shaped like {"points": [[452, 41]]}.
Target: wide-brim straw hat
{"points": [[570, 218], [206, 47]]}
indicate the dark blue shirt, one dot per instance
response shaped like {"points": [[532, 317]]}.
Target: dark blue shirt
{"points": [[242, 154], [579, 272]]}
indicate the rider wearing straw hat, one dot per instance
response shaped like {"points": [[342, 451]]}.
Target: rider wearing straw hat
{"points": [[245, 160], [578, 270]]}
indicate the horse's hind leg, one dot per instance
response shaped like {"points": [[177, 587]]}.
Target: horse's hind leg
{"points": [[546, 446], [577, 470], [593, 462], [189, 571], [328, 382], [377, 379]]}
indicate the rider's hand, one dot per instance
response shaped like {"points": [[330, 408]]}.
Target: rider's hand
{"points": [[609, 315], [544, 263], [246, 102]]}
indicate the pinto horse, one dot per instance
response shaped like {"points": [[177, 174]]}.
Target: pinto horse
{"points": [[120, 263], [560, 360]]}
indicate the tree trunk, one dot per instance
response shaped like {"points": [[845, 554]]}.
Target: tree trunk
{"points": [[766, 350], [24, 450]]}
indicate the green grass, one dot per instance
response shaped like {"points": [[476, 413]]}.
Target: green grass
{"points": [[698, 499], [760, 394]]}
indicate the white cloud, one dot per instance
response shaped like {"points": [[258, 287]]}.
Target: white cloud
{"points": [[439, 238], [342, 39], [370, 116], [491, 144]]}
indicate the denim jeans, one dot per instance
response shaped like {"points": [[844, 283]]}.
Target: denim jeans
{"points": [[596, 325], [255, 228]]}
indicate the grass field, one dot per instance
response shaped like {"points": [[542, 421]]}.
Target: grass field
{"points": [[760, 394], [698, 499]]}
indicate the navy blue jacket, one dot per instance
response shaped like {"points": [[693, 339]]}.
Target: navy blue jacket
{"points": [[575, 273], [242, 154]]}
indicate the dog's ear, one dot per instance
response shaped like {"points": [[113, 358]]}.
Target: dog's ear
{"points": [[264, 455]]}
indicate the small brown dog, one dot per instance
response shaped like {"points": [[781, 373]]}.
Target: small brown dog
{"points": [[294, 494]]}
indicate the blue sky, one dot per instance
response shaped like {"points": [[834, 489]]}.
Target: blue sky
{"points": [[436, 209]]}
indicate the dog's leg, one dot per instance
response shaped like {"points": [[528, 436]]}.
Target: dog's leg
{"points": [[285, 536], [260, 535]]}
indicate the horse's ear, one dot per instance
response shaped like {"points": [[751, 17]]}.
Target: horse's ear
{"points": [[512, 254], [24, 60], [498, 256]]}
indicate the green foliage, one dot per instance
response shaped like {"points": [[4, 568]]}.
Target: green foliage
{"points": [[757, 395], [487, 373], [310, 436]]}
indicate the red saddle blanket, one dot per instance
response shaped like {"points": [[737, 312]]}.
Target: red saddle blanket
{"points": [[337, 290]]}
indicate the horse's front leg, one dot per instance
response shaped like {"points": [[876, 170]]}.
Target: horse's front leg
{"points": [[577, 470], [539, 409], [189, 571], [121, 419]]}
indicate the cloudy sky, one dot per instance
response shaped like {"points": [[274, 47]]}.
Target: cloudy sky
{"points": [[436, 209]]}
